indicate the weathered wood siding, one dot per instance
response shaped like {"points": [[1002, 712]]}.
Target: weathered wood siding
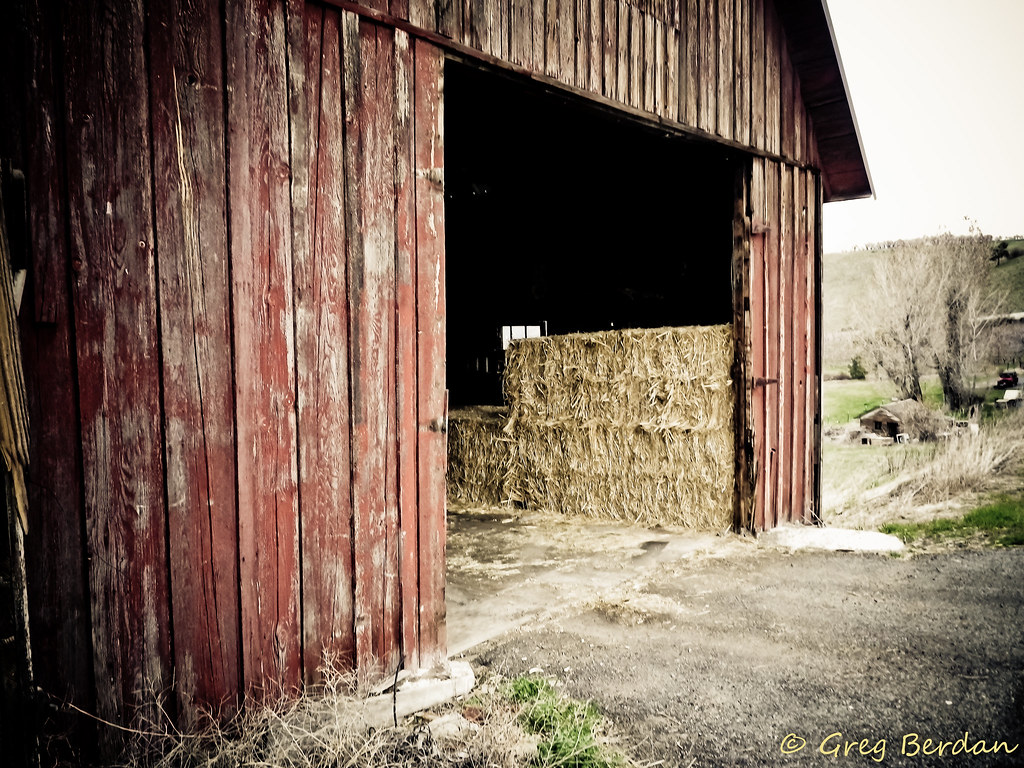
{"points": [[720, 67], [235, 349], [234, 345], [784, 280]]}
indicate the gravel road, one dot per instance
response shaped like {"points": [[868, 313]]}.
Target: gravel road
{"points": [[769, 658]]}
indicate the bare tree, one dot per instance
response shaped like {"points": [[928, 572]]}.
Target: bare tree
{"points": [[930, 304]]}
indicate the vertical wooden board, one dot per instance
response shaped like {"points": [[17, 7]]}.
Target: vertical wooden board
{"points": [[521, 33], [660, 68], [115, 304], [187, 85], [811, 330], [689, 52], [672, 72], [622, 66], [55, 550], [551, 36], [322, 370], [566, 41], [799, 123], [538, 16], [786, 343], [757, 75], [815, 197], [799, 350], [114, 290], [423, 14], [787, 99], [635, 57], [742, 88], [758, 364], [479, 27], [430, 350], [610, 32], [407, 367], [596, 68], [708, 66], [582, 53], [370, 201], [449, 18], [261, 270], [501, 39], [726, 69], [773, 75], [774, 310], [649, 84], [48, 257]]}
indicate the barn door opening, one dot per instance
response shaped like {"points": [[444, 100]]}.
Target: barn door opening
{"points": [[565, 218]]}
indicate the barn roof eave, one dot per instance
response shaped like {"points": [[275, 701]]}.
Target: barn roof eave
{"points": [[815, 55]]}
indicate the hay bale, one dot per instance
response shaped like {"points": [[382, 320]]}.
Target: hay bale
{"points": [[478, 454], [631, 425]]}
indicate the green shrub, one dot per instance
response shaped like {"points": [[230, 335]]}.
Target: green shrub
{"points": [[857, 370]]}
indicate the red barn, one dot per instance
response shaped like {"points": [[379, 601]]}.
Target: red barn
{"points": [[234, 327]]}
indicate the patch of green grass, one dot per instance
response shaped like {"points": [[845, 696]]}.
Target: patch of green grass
{"points": [[845, 400], [568, 728], [1002, 522]]}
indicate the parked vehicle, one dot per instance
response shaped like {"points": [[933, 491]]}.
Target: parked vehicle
{"points": [[1007, 379]]}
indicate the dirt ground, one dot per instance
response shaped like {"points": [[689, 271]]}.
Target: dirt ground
{"points": [[708, 650]]}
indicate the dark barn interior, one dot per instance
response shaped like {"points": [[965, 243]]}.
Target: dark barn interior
{"points": [[563, 218]]}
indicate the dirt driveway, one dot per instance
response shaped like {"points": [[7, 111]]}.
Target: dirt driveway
{"points": [[710, 652]]}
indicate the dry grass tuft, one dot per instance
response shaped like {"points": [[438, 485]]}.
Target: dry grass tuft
{"points": [[326, 728]]}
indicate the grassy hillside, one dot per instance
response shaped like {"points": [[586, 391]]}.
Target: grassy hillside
{"points": [[1009, 276]]}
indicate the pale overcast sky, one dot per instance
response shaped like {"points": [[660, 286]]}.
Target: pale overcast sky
{"points": [[938, 89]]}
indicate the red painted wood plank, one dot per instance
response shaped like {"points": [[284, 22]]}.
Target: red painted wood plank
{"points": [[261, 267], [371, 259], [407, 368], [799, 349], [759, 371], [786, 344], [430, 309], [774, 310], [55, 551], [187, 84], [321, 348], [115, 304]]}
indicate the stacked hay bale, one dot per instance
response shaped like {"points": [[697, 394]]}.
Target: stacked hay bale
{"points": [[634, 425], [478, 454]]}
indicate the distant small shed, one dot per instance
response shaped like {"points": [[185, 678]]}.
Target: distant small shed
{"points": [[892, 419]]}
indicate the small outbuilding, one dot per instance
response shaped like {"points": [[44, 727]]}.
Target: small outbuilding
{"points": [[900, 417]]}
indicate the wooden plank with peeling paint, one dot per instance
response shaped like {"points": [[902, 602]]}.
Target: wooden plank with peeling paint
{"points": [[111, 248], [261, 269], [322, 365], [187, 83], [430, 324]]}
